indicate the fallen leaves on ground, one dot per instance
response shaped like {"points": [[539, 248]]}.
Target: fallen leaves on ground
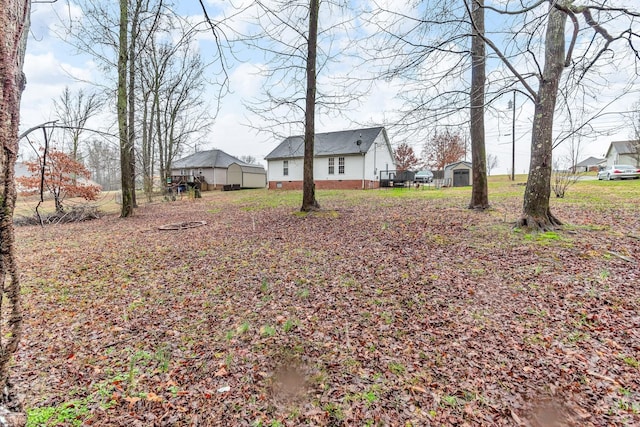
{"points": [[375, 311]]}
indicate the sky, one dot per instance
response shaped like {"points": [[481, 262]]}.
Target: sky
{"points": [[51, 64]]}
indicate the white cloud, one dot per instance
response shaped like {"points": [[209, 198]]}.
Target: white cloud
{"points": [[46, 78]]}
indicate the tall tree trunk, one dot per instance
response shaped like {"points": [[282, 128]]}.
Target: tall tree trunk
{"points": [[132, 96], [164, 174], [125, 149], [309, 201], [146, 148], [14, 27], [536, 212], [479, 192]]}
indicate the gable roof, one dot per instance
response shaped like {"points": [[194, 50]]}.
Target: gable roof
{"points": [[590, 161], [328, 144], [454, 164], [623, 147], [207, 159]]}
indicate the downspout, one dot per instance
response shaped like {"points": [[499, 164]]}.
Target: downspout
{"points": [[363, 156], [375, 167]]}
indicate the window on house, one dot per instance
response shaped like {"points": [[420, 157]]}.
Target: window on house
{"points": [[332, 167], [285, 167], [341, 165]]}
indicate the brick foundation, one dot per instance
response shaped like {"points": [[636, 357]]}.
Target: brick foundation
{"points": [[348, 184]]}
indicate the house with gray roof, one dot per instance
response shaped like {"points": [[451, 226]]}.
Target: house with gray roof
{"points": [[214, 169], [589, 164], [623, 152], [348, 159]]}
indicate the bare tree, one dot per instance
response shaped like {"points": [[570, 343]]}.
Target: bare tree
{"points": [[172, 89], [492, 163], [14, 28], [426, 49], [590, 41], [249, 159], [102, 161], [298, 46], [144, 23], [480, 190], [126, 148], [564, 176], [533, 52], [73, 111], [108, 34], [635, 135], [309, 201], [574, 152]]}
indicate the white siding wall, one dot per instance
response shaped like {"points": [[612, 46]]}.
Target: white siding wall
{"points": [[216, 176], [274, 170], [620, 159], [376, 159], [613, 157], [220, 177], [626, 159], [208, 174], [352, 168]]}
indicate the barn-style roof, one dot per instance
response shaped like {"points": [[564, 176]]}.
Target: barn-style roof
{"points": [[245, 167], [342, 142], [207, 159]]}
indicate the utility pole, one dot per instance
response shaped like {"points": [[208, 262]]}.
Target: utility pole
{"points": [[513, 137]]}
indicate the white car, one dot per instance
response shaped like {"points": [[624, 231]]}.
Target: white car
{"points": [[423, 177], [619, 172]]}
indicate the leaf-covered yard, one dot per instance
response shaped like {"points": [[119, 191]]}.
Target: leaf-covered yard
{"points": [[396, 307]]}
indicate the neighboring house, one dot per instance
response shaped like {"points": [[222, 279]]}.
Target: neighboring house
{"points": [[589, 164], [213, 169], [623, 152], [458, 174], [349, 159]]}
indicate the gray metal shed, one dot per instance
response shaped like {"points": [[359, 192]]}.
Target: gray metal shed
{"points": [[458, 174]]}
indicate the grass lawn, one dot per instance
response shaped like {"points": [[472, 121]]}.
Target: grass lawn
{"points": [[390, 307]]}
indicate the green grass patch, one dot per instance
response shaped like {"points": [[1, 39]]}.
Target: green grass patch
{"points": [[396, 368], [267, 331], [72, 413]]}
